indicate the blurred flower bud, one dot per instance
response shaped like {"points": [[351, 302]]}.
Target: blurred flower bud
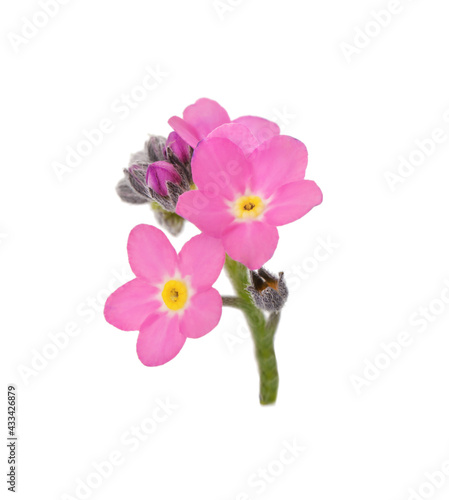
{"points": [[155, 147], [159, 174], [268, 292], [136, 175], [171, 221], [153, 150], [128, 193]]}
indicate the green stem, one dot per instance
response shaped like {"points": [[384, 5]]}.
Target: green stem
{"points": [[235, 302], [262, 330]]}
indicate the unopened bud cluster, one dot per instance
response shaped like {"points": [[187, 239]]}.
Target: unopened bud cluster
{"points": [[159, 174]]}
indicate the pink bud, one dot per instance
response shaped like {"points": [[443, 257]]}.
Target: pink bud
{"points": [[159, 173], [179, 147]]}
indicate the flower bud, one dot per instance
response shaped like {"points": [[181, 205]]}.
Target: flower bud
{"points": [[153, 150], [178, 147], [136, 176], [171, 221], [268, 292], [159, 174], [127, 193], [155, 147]]}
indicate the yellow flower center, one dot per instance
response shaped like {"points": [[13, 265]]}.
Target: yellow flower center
{"points": [[249, 207], [175, 294]]}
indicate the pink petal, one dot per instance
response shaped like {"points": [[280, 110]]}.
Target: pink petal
{"points": [[278, 161], [211, 215], [219, 167], [251, 243], [238, 134], [185, 130], [202, 258], [159, 339], [261, 128], [205, 115], [130, 305], [292, 201], [151, 254], [202, 315]]}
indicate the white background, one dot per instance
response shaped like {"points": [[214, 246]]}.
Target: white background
{"points": [[63, 241]]}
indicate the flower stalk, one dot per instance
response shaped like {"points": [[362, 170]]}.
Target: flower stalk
{"points": [[262, 330]]}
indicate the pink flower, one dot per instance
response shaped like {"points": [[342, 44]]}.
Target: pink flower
{"points": [[171, 297], [207, 117], [241, 199]]}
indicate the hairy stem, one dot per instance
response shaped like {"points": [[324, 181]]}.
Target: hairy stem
{"points": [[235, 302], [262, 330]]}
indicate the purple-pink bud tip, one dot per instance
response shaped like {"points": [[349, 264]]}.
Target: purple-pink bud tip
{"points": [[179, 147], [159, 173]]}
